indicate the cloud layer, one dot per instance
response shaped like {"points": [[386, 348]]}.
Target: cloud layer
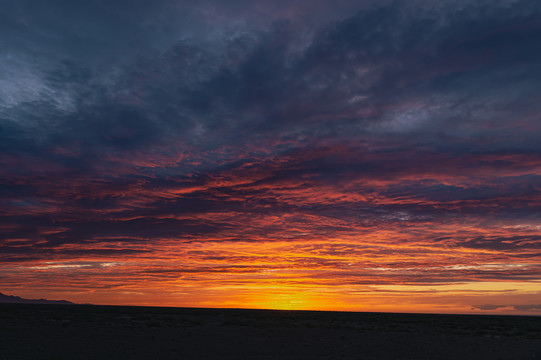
{"points": [[338, 148]]}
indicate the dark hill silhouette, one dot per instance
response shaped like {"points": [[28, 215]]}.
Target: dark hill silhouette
{"points": [[18, 300]]}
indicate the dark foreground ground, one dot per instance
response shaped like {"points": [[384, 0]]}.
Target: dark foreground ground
{"points": [[108, 332]]}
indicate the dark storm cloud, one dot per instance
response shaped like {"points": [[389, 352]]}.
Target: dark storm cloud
{"points": [[134, 120], [387, 66]]}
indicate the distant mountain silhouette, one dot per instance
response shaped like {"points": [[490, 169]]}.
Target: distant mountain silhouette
{"points": [[4, 299]]}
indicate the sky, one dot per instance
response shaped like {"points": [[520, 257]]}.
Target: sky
{"points": [[324, 155]]}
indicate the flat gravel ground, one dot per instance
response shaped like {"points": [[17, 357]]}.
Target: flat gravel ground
{"points": [[114, 332]]}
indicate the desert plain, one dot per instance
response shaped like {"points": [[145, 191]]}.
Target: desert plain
{"points": [[55, 332]]}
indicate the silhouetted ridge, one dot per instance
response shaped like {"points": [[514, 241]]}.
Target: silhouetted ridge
{"points": [[18, 300]]}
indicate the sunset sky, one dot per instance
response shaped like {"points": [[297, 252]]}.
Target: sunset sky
{"points": [[354, 155]]}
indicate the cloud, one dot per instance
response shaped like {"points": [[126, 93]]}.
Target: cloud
{"points": [[514, 243], [515, 307], [388, 134], [527, 307], [257, 84], [489, 307]]}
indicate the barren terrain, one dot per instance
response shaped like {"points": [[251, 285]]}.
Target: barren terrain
{"points": [[112, 332]]}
